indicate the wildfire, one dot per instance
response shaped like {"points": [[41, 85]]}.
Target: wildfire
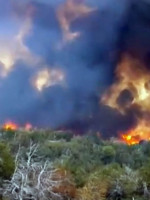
{"points": [[132, 88], [10, 126], [134, 78], [131, 140], [13, 126], [139, 133]]}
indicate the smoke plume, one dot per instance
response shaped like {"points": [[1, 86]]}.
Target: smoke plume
{"points": [[69, 63]]}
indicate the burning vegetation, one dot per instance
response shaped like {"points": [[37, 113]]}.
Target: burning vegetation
{"points": [[10, 126], [140, 133], [131, 91]]}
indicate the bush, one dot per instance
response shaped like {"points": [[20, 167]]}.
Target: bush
{"points": [[145, 173], [108, 154], [6, 162]]}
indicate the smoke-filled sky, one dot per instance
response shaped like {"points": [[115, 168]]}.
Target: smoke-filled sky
{"points": [[58, 62]]}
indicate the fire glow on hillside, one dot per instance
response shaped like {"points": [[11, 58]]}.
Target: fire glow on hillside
{"points": [[131, 91], [10, 126], [134, 136]]}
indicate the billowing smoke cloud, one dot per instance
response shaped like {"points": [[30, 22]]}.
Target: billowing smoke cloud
{"points": [[58, 57], [131, 87]]}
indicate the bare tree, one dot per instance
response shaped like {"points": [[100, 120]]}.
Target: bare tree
{"points": [[146, 191], [32, 180]]}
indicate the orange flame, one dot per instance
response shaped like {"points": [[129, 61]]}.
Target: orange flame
{"points": [[132, 76], [10, 126], [139, 133], [131, 140]]}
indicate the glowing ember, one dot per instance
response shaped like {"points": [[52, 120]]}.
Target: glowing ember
{"points": [[10, 126], [139, 133]]}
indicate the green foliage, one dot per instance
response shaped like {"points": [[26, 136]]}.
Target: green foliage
{"points": [[98, 167], [8, 135], [129, 181], [99, 182], [145, 172], [123, 155], [108, 154], [95, 189], [146, 148], [6, 162], [53, 149], [62, 135], [82, 157]]}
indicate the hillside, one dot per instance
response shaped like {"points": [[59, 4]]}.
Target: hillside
{"points": [[59, 165]]}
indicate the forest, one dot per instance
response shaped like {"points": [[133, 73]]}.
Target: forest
{"points": [[59, 165]]}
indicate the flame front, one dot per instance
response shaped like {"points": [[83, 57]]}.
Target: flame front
{"points": [[10, 126], [137, 134], [131, 90]]}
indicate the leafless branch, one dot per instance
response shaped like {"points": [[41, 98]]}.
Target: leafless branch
{"points": [[31, 180]]}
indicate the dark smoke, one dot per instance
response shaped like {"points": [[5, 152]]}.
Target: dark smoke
{"points": [[89, 63]]}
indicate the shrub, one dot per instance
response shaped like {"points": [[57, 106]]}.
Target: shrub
{"points": [[6, 162], [108, 154], [145, 172], [94, 189]]}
